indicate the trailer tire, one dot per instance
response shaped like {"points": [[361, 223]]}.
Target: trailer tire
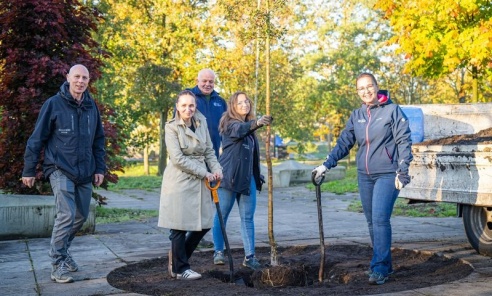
{"points": [[478, 227]]}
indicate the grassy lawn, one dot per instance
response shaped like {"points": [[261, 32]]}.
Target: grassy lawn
{"points": [[346, 185], [402, 208], [134, 178], [105, 215], [136, 182]]}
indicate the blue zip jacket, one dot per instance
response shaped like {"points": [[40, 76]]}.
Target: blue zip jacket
{"points": [[240, 158], [72, 136], [382, 134], [212, 110]]}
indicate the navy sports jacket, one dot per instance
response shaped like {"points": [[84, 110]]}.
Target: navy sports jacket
{"points": [[382, 134]]}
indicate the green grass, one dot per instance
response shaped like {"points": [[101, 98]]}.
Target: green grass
{"points": [[136, 182], [346, 185], [105, 215], [402, 208], [136, 169], [134, 178]]}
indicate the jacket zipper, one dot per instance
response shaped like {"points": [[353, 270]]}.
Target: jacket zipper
{"points": [[367, 139]]}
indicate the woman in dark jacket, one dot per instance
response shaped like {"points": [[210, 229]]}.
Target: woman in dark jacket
{"points": [[240, 160], [382, 133]]}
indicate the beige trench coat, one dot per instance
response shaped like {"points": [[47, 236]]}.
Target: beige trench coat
{"points": [[185, 202]]}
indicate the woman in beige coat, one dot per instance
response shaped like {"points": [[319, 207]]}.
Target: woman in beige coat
{"points": [[185, 204]]}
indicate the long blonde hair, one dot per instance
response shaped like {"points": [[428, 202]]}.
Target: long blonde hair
{"points": [[231, 113]]}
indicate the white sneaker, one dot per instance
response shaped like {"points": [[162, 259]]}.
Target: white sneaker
{"points": [[188, 275]]}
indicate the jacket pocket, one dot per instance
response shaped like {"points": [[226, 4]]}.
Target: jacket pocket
{"points": [[389, 153]]}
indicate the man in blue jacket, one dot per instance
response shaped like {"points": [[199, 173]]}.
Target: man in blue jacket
{"points": [[70, 130], [212, 106]]}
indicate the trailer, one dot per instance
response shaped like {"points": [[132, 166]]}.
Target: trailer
{"points": [[453, 168]]}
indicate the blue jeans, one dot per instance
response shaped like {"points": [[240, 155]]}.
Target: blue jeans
{"points": [[378, 195], [72, 209], [247, 207]]}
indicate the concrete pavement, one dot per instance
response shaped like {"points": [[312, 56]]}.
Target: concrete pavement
{"points": [[25, 265]]}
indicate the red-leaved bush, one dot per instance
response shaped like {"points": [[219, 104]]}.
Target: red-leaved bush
{"points": [[39, 41]]}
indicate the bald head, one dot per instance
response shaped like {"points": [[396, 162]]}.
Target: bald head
{"points": [[206, 81], [78, 67], [78, 79]]}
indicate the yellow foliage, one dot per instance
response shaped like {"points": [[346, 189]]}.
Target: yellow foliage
{"points": [[441, 36]]}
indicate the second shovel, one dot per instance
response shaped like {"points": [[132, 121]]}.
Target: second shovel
{"points": [[320, 223]]}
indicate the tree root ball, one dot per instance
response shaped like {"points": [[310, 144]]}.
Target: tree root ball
{"points": [[280, 276]]}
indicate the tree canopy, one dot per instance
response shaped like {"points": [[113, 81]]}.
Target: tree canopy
{"points": [[147, 50], [439, 37]]}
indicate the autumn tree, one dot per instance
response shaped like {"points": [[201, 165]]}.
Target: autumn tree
{"points": [[40, 41], [440, 37], [235, 51], [156, 48], [336, 42]]}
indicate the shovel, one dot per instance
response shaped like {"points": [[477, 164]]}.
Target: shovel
{"points": [[215, 197], [320, 223]]}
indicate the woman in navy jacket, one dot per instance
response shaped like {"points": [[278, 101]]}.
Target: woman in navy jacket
{"points": [[381, 131], [240, 161]]}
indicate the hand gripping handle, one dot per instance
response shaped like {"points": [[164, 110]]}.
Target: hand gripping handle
{"points": [[313, 179], [213, 190]]}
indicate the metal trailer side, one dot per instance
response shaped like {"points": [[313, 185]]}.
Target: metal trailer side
{"points": [[456, 173]]}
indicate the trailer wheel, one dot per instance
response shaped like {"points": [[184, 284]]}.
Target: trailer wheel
{"points": [[478, 227]]}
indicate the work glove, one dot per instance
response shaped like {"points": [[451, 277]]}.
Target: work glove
{"points": [[401, 180], [264, 120], [320, 173]]}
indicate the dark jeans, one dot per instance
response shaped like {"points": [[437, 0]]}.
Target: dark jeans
{"points": [[183, 244], [378, 195]]}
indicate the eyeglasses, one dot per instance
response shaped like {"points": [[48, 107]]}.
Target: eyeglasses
{"points": [[243, 103], [369, 88]]}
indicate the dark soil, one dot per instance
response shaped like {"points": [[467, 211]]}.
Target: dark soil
{"points": [[482, 137], [296, 274]]}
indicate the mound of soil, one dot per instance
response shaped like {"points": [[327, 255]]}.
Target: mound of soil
{"points": [[482, 137], [296, 274]]}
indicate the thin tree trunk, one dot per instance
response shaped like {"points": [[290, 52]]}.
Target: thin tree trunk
{"points": [[146, 160], [257, 65], [162, 147], [273, 244], [475, 84]]}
